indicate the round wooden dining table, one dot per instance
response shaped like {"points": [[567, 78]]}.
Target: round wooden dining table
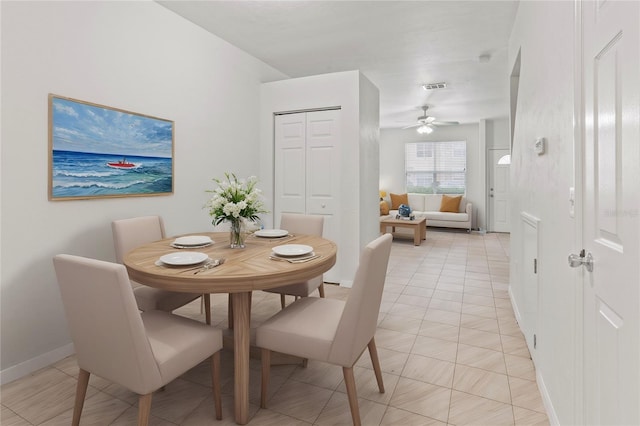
{"points": [[243, 271]]}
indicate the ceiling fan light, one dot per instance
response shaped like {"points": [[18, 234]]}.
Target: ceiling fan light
{"points": [[425, 129]]}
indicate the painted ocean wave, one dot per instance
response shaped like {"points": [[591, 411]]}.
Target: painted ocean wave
{"points": [[98, 185], [84, 174], [79, 174], [97, 189]]}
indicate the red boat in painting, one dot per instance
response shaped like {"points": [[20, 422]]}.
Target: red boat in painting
{"points": [[122, 164]]}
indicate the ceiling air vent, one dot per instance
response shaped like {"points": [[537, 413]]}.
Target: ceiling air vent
{"points": [[432, 86]]}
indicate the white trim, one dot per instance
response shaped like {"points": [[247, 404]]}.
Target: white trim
{"points": [[481, 218], [531, 220], [516, 311], [34, 364], [297, 111], [546, 400], [346, 283], [578, 205]]}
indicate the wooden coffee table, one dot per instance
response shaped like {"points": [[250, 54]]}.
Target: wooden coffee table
{"points": [[419, 227]]}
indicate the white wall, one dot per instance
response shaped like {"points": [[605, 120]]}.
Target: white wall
{"points": [[497, 132], [137, 56], [369, 174], [540, 187], [359, 139]]}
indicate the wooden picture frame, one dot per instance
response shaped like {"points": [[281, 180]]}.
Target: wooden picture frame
{"points": [[97, 151]]}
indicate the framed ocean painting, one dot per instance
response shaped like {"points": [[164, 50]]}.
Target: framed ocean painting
{"points": [[96, 151]]}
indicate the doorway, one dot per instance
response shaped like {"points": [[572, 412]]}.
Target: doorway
{"points": [[499, 169]]}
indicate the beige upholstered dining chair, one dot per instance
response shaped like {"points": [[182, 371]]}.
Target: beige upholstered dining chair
{"points": [[139, 351], [301, 224], [131, 233], [331, 330]]}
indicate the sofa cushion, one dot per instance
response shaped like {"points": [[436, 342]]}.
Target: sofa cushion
{"points": [[450, 204], [450, 217], [416, 201], [463, 205], [384, 208], [432, 202], [397, 199]]}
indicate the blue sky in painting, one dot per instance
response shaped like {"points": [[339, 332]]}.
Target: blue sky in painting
{"points": [[87, 128]]}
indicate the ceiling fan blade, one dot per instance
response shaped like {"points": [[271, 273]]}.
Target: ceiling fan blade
{"points": [[412, 125], [445, 123]]}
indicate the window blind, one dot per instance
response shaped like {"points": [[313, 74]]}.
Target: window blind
{"points": [[436, 167]]}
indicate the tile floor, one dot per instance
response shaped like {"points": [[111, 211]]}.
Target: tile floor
{"points": [[450, 349]]}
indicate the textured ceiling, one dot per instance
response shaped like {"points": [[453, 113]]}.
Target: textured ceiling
{"points": [[398, 45]]}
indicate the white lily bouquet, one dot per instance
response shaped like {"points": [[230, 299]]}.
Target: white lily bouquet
{"points": [[236, 201]]}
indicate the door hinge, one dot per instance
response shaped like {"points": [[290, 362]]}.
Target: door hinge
{"points": [[535, 266], [535, 341]]}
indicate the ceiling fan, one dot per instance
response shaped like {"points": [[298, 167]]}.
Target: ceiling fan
{"points": [[426, 123]]}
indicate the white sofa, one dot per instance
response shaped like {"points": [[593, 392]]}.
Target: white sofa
{"points": [[428, 205]]}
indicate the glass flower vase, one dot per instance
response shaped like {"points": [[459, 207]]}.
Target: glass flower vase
{"points": [[237, 234]]}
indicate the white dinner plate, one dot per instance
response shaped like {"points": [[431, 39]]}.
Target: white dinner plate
{"points": [[294, 259], [183, 258], [271, 233], [288, 250], [192, 240], [178, 246]]}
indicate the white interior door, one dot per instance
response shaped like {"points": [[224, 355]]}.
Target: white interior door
{"points": [[611, 47], [289, 165], [323, 169], [499, 190]]}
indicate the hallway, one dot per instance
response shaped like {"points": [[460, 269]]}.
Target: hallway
{"points": [[450, 350]]}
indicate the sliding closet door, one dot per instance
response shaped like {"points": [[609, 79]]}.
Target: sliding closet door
{"points": [[290, 169], [307, 169], [323, 168]]}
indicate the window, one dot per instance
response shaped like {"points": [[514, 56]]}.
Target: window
{"points": [[436, 167], [424, 150], [505, 160]]}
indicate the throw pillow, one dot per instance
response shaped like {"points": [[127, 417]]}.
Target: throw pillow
{"points": [[384, 208], [450, 204], [397, 199]]}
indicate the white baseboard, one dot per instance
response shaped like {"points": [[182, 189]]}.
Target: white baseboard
{"points": [[34, 364], [516, 311], [346, 283], [544, 394], [546, 400]]}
